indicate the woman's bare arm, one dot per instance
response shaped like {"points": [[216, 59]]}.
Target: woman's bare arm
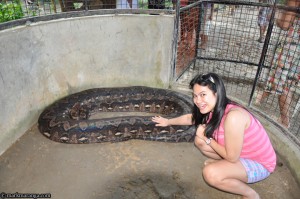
{"points": [[181, 120], [234, 126]]}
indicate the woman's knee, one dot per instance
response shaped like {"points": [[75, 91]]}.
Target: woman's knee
{"points": [[210, 175], [199, 143]]}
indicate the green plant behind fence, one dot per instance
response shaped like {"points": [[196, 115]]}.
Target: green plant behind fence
{"points": [[10, 11]]}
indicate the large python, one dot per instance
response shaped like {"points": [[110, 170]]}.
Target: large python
{"points": [[89, 116]]}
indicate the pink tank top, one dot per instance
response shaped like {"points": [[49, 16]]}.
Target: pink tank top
{"points": [[257, 145]]}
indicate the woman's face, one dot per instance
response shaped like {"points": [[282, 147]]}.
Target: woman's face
{"points": [[204, 98]]}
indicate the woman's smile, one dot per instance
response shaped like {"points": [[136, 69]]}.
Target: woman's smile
{"points": [[204, 98]]}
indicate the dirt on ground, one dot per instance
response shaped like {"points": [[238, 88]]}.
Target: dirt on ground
{"points": [[130, 169]]}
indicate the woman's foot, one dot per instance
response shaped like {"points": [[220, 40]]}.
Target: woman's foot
{"points": [[260, 40], [257, 98], [209, 161], [253, 196], [257, 102], [285, 122]]}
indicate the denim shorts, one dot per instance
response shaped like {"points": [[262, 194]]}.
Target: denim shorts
{"points": [[255, 171]]}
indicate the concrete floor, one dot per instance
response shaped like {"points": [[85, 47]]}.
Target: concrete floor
{"points": [[131, 169]]}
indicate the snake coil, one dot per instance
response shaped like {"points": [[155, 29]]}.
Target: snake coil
{"points": [[73, 119]]}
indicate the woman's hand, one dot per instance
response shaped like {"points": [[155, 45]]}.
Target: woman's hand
{"points": [[200, 131], [161, 121]]}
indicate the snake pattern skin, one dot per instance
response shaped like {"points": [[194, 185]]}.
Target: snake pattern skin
{"points": [[72, 119]]}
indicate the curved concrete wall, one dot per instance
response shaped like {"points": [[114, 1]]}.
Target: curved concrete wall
{"points": [[42, 62]]}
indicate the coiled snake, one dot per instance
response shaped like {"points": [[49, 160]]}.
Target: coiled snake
{"points": [[90, 116]]}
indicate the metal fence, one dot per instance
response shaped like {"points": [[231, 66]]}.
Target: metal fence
{"points": [[224, 37], [220, 36]]}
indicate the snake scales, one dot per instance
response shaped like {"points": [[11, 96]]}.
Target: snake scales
{"points": [[73, 119]]}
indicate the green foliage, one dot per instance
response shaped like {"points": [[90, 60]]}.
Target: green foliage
{"points": [[77, 5], [10, 11]]}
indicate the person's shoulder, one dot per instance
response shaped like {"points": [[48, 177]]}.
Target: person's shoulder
{"points": [[236, 110], [237, 114]]}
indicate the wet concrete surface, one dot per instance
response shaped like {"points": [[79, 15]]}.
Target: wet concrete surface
{"points": [[130, 169]]}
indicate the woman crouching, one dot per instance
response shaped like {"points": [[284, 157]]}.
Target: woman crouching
{"points": [[238, 148]]}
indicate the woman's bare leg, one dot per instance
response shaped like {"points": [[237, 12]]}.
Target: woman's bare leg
{"points": [[262, 30], [284, 104], [206, 149], [229, 177], [204, 40], [261, 95]]}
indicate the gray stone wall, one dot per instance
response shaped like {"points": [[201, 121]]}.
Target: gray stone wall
{"points": [[42, 62]]}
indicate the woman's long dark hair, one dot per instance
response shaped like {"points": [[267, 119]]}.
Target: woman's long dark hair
{"points": [[214, 83]]}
